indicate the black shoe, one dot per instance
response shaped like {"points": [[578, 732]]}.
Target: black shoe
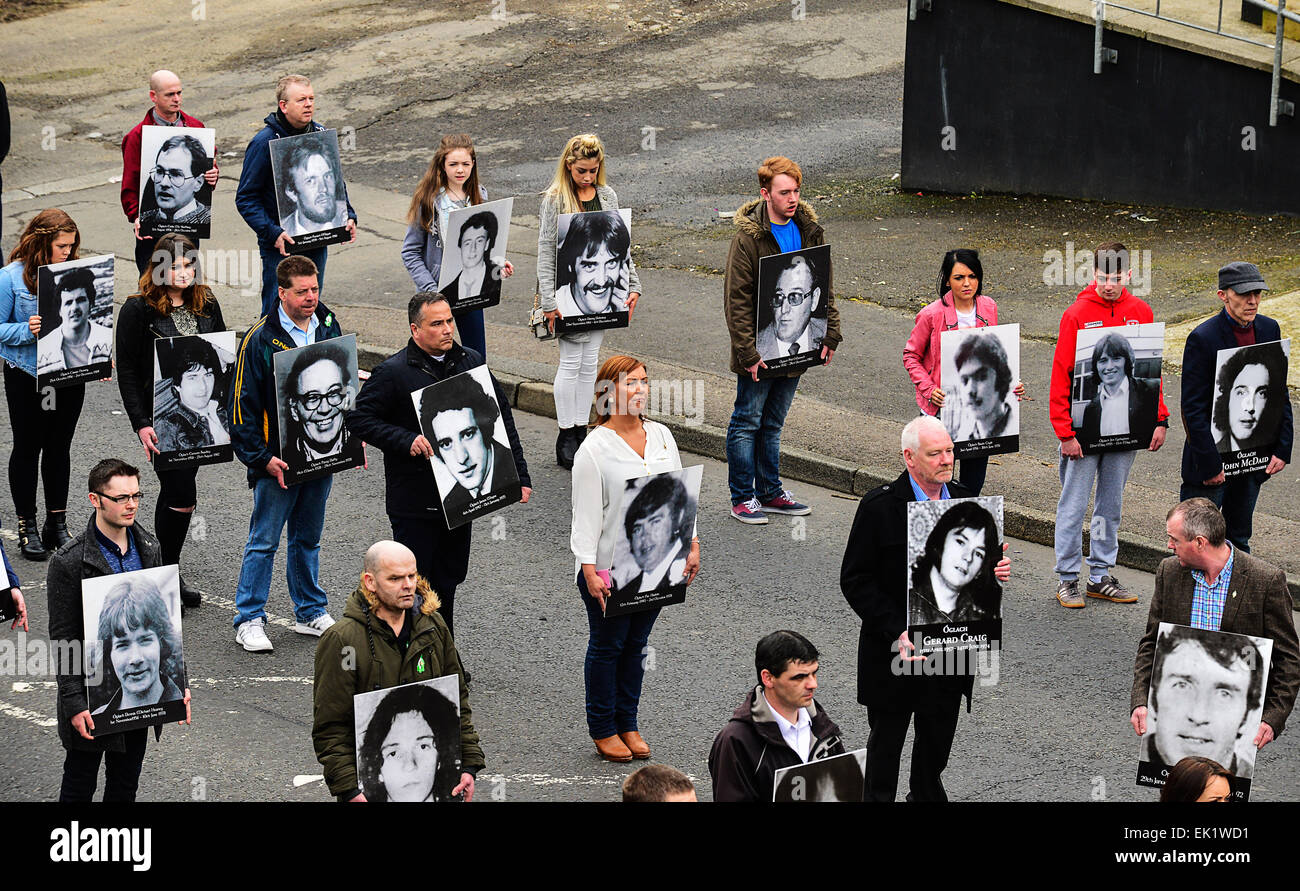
{"points": [[566, 446], [54, 534], [29, 543], [190, 597], [582, 433]]}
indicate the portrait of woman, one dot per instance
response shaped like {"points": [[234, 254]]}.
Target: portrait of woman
{"points": [[952, 580], [1251, 388], [1123, 403], [409, 748], [141, 657]]}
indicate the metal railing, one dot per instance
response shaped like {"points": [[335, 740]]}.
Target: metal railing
{"points": [[1102, 54]]}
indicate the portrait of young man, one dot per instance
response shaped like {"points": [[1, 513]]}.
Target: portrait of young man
{"points": [[71, 339], [309, 176]]}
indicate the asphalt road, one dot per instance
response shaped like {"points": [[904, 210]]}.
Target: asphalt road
{"points": [[1052, 728]]}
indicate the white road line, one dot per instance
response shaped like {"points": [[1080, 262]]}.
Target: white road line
{"points": [[26, 714], [29, 686], [230, 605], [485, 781], [303, 779]]}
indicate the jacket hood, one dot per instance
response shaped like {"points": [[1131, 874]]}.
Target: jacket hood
{"points": [[358, 608], [749, 217], [272, 120]]}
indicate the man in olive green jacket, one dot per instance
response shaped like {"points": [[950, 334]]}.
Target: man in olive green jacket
{"points": [[390, 635]]}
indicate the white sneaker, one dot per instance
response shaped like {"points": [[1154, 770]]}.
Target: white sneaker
{"points": [[316, 627], [251, 635]]}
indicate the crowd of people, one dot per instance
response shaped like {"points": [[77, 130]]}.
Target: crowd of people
{"points": [[397, 626]]}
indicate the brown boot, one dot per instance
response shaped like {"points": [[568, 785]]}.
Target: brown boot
{"points": [[639, 748], [611, 748]]}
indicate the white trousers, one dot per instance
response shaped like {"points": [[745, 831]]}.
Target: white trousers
{"points": [[575, 379]]}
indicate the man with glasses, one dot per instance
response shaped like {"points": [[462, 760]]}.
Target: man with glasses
{"points": [[776, 222], [297, 320], [113, 542], [165, 94], [795, 327], [1106, 302], [321, 389], [177, 178]]}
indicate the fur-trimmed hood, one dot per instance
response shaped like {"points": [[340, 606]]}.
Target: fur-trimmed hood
{"points": [[750, 219]]}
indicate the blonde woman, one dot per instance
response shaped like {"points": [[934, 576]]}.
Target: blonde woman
{"points": [[578, 185]]}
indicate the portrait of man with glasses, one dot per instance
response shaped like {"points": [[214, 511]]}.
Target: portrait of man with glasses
{"points": [[318, 384], [792, 306], [174, 194]]}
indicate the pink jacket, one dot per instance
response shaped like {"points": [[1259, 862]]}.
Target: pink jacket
{"points": [[921, 355]]}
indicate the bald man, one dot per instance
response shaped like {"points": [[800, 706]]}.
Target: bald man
{"points": [[390, 634], [165, 94]]}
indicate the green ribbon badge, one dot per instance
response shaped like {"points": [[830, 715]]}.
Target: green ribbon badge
{"points": [[419, 666]]}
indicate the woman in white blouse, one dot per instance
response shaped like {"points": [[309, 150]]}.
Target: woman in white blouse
{"points": [[622, 446]]}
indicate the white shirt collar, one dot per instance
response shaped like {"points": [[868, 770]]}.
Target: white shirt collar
{"points": [[649, 580], [798, 736]]}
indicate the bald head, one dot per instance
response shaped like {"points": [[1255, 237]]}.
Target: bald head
{"points": [[390, 580], [165, 93], [386, 552]]}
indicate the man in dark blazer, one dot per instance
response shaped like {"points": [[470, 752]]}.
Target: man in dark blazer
{"points": [[112, 543], [1254, 601], [892, 682], [385, 417], [1238, 324]]}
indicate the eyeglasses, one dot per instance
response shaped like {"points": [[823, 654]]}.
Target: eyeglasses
{"points": [[175, 178], [311, 401], [123, 499], [794, 298]]}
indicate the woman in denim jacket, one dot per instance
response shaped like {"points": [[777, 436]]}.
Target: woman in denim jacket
{"points": [[43, 422]]}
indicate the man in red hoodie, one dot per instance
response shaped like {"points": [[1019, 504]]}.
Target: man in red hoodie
{"points": [[165, 94], [1103, 304]]}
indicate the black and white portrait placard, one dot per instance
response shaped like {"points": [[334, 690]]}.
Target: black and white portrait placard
{"points": [[954, 601], [309, 191], [408, 741], [135, 665], [76, 305], [1206, 699], [839, 778], [474, 254], [657, 518], [191, 379], [472, 461], [791, 306], [979, 369], [174, 196], [1250, 400], [593, 264], [315, 385], [1115, 393], [8, 606]]}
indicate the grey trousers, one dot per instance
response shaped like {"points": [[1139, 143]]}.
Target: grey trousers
{"points": [[1110, 471]]}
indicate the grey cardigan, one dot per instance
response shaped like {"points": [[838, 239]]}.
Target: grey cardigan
{"points": [[546, 251], [422, 251]]}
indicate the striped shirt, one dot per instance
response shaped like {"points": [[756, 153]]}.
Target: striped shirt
{"points": [[1207, 599]]}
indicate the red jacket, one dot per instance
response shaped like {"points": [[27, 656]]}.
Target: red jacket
{"points": [[131, 162], [921, 354], [1090, 310]]}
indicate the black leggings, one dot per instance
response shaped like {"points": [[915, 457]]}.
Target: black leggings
{"points": [[42, 436], [177, 489]]}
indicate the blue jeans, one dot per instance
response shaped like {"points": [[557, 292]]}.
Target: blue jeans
{"points": [[614, 667], [302, 507], [472, 334], [270, 259], [754, 436], [1236, 499]]}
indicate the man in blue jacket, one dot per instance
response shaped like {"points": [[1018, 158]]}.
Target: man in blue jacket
{"points": [[255, 197], [385, 416], [297, 320], [1239, 324]]}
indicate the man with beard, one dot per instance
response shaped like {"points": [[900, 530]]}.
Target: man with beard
{"points": [[312, 189], [299, 319], [320, 390], [165, 94], [177, 177], [78, 341], [592, 266], [795, 327], [256, 196]]}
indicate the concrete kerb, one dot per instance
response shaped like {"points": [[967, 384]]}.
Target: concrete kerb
{"points": [[536, 397]]}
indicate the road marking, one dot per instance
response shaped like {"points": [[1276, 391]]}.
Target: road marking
{"points": [[26, 714], [545, 779], [28, 686], [232, 607], [303, 779]]}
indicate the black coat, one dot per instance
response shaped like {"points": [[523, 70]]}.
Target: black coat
{"points": [[385, 417], [873, 578], [1143, 409], [138, 326], [80, 559]]}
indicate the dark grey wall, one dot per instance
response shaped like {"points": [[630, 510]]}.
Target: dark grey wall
{"points": [[1163, 126]]}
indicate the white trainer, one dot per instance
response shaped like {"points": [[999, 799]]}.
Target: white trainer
{"points": [[251, 635], [316, 627]]}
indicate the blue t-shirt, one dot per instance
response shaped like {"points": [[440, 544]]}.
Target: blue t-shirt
{"points": [[787, 236]]}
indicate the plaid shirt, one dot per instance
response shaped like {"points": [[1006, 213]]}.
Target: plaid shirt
{"points": [[1207, 599]]}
